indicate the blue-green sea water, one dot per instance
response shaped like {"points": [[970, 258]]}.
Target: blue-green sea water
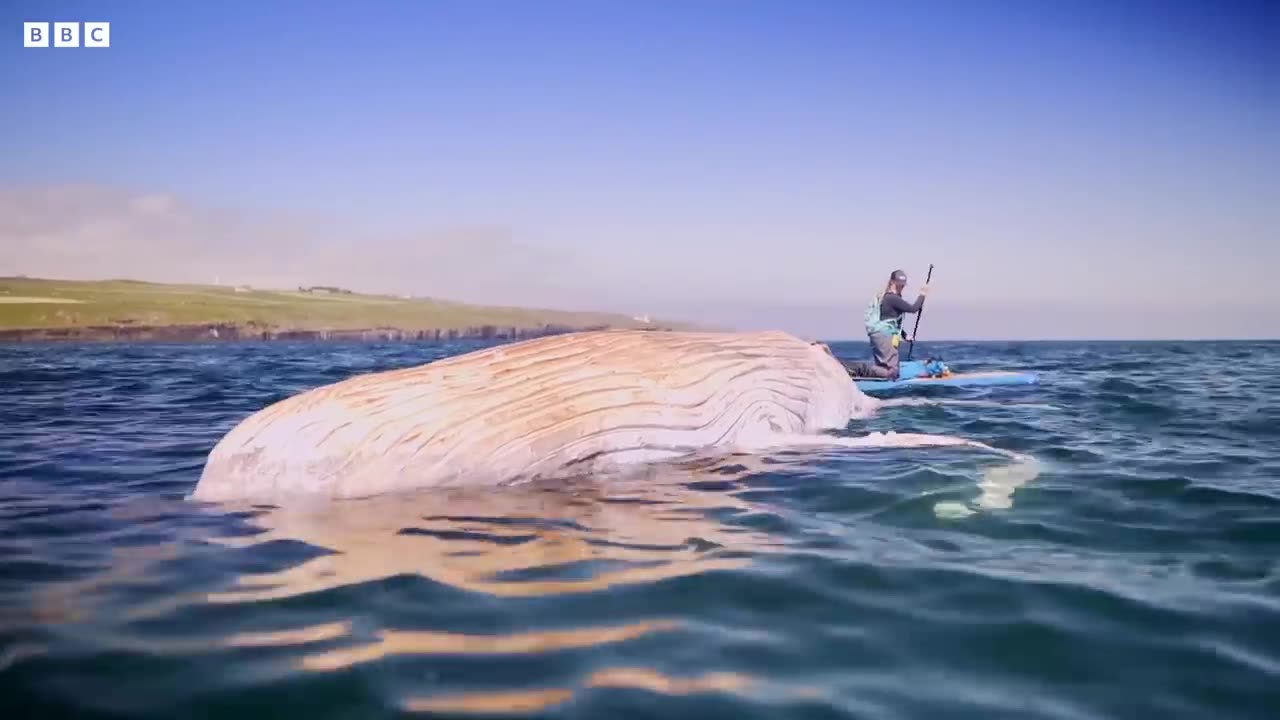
{"points": [[1136, 576]]}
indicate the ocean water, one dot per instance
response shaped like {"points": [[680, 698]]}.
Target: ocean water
{"points": [[1135, 576]]}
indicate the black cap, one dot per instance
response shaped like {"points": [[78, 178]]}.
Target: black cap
{"points": [[898, 276]]}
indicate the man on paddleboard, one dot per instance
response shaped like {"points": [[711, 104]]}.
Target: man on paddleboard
{"points": [[883, 322]]}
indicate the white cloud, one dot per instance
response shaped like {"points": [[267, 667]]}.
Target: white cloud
{"points": [[96, 232]]}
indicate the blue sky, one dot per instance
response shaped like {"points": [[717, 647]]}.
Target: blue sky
{"points": [[745, 163]]}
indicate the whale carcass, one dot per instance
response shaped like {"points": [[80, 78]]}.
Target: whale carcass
{"points": [[563, 405]]}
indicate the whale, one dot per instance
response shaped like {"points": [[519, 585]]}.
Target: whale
{"points": [[591, 403]]}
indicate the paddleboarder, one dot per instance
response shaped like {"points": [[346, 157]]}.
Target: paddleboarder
{"points": [[883, 322]]}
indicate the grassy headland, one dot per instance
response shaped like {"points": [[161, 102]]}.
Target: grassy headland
{"points": [[32, 308]]}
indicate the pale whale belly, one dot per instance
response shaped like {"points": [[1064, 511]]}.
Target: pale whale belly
{"points": [[557, 406]]}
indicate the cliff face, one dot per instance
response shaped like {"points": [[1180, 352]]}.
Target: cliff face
{"points": [[230, 332], [36, 309]]}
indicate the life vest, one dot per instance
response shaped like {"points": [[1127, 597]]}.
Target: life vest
{"points": [[873, 322]]}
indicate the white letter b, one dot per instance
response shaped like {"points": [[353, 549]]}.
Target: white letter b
{"points": [[66, 34], [35, 34]]}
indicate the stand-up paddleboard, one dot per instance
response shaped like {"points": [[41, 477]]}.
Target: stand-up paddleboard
{"points": [[931, 373]]}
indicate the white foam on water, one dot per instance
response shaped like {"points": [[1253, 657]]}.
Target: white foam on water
{"points": [[920, 402], [875, 440], [998, 484], [951, 510]]}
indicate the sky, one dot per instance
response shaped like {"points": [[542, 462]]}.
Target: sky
{"points": [[1072, 170]]}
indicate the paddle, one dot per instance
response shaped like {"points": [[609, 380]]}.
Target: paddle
{"points": [[912, 349]]}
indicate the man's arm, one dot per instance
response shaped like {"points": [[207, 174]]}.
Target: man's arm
{"points": [[898, 304]]}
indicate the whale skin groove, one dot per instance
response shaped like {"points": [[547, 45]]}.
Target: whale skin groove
{"points": [[555, 406]]}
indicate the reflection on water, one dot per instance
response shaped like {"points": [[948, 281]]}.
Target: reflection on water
{"points": [[392, 642], [518, 701], [624, 678], [250, 568], [515, 541]]}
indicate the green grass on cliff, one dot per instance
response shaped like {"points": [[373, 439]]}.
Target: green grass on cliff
{"points": [[27, 303]]}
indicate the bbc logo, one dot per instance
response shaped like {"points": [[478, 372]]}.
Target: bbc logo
{"points": [[66, 34]]}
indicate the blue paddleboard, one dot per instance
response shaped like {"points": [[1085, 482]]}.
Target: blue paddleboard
{"points": [[918, 373]]}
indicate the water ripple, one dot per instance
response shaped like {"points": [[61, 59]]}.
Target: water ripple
{"points": [[1138, 575]]}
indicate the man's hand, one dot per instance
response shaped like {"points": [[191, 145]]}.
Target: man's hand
{"points": [[924, 290]]}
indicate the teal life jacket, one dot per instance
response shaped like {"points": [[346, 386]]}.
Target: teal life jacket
{"points": [[873, 322]]}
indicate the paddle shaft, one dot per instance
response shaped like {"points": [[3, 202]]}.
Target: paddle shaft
{"points": [[911, 350]]}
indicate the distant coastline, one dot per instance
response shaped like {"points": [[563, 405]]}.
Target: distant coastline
{"points": [[237, 333], [45, 310]]}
